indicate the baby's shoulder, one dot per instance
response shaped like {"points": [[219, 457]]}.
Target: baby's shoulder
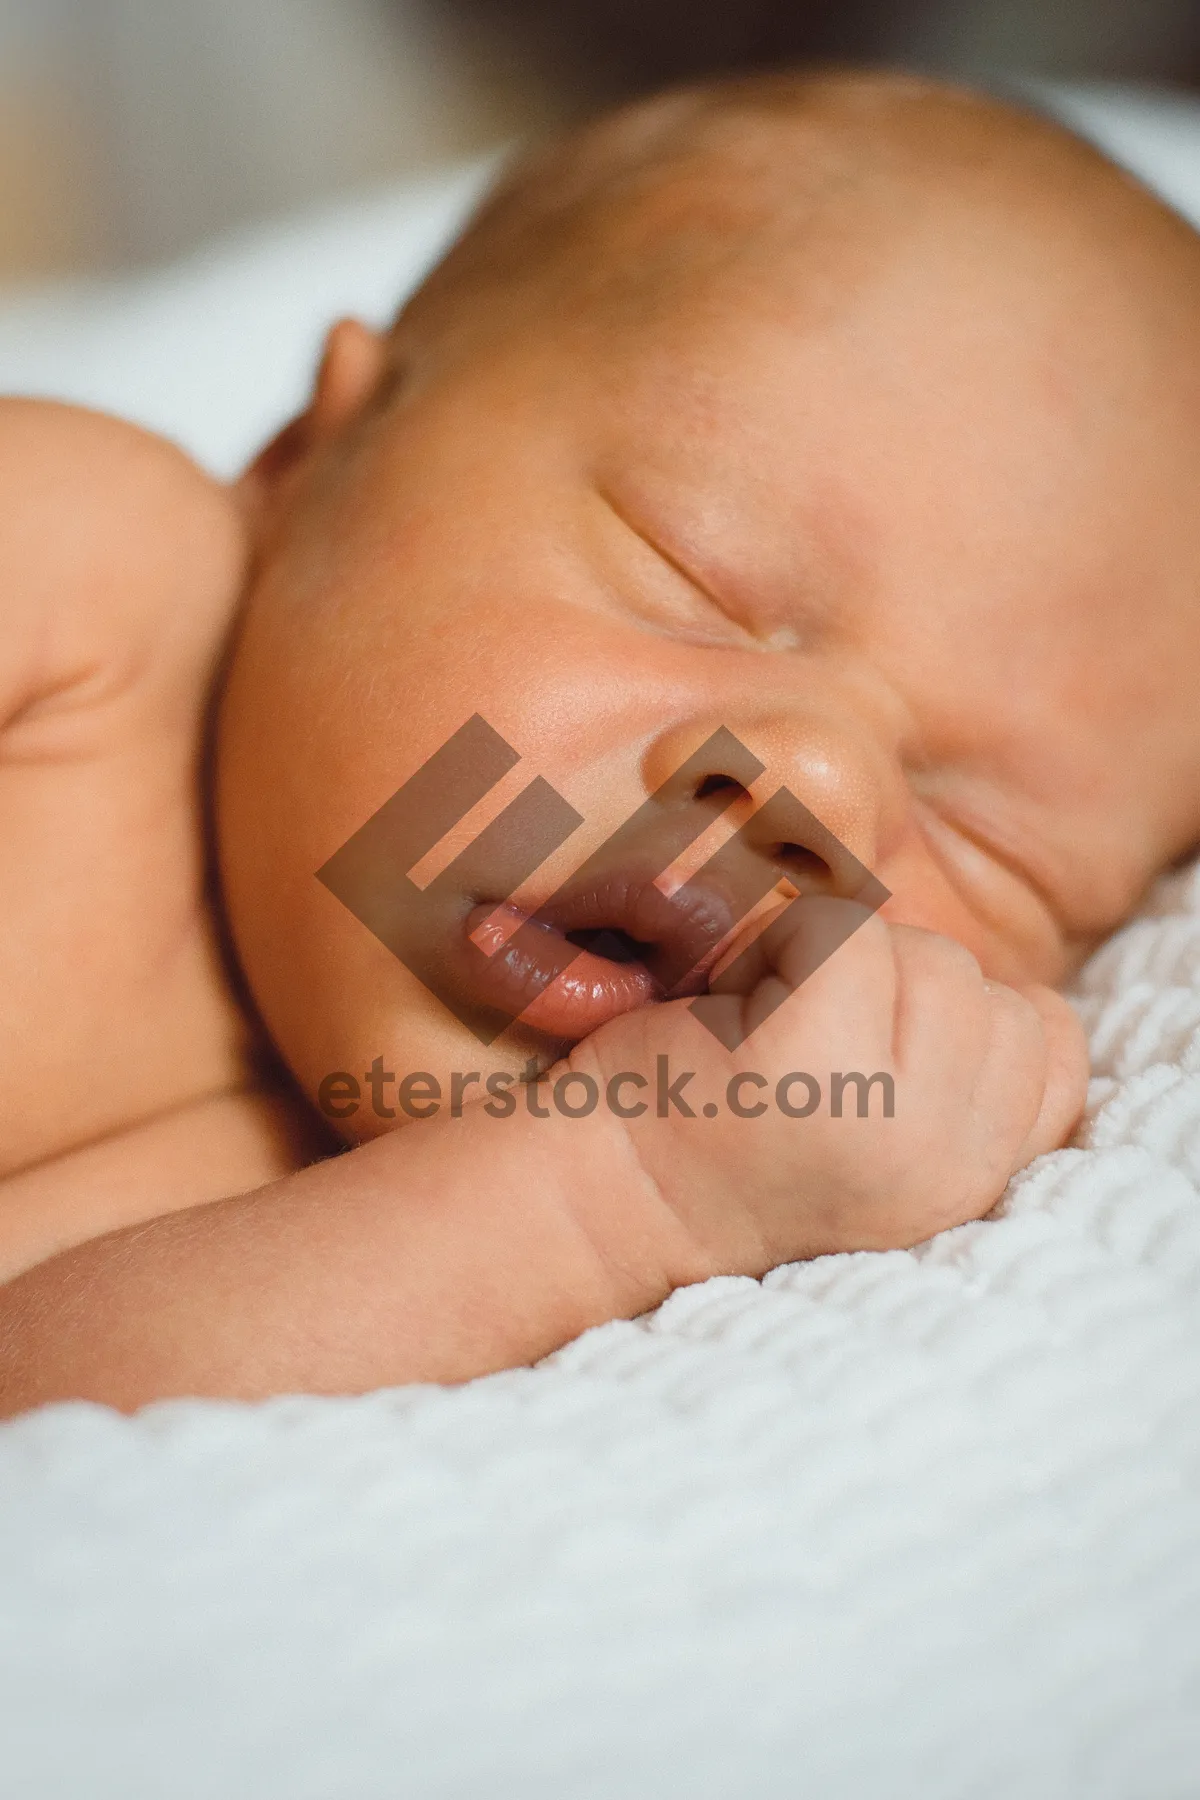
{"points": [[117, 553], [120, 571]]}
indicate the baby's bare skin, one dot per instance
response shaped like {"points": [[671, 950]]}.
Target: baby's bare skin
{"points": [[921, 534], [128, 1072]]}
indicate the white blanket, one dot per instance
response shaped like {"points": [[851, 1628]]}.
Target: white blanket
{"points": [[915, 1525]]}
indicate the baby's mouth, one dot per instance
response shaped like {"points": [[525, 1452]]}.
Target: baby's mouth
{"points": [[602, 949]]}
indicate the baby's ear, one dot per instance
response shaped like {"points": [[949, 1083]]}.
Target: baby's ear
{"points": [[352, 365]]}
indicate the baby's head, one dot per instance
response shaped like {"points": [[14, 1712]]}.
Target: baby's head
{"points": [[856, 417]]}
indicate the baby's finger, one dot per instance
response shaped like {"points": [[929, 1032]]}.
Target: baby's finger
{"points": [[1066, 1077], [1028, 1088], [942, 1022], [840, 955]]}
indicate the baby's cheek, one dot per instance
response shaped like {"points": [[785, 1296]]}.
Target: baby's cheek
{"points": [[1009, 952]]}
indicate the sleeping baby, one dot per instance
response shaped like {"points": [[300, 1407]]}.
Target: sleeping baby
{"points": [[745, 611]]}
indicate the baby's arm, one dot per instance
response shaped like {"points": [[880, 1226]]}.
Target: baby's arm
{"points": [[460, 1246], [439, 1252]]}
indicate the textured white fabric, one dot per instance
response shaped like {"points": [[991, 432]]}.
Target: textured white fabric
{"points": [[915, 1525]]}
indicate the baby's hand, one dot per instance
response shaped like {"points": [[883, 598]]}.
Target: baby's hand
{"points": [[982, 1079]]}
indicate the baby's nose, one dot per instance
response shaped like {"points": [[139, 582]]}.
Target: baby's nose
{"points": [[819, 795]]}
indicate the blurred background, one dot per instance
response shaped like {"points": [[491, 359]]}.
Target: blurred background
{"points": [[131, 130]]}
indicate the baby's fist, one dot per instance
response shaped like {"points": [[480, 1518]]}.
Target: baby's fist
{"points": [[934, 1086]]}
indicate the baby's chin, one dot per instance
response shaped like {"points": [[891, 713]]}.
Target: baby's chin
{"points": [[377, 1069]]}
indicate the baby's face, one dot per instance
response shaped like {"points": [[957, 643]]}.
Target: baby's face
{"points": [[931, 553]]}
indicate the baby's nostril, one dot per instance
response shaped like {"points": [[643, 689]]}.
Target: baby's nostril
{"points": [[718, 784], [803, 865]]}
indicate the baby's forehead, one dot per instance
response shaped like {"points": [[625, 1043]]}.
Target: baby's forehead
{"points": [[775, 183]]}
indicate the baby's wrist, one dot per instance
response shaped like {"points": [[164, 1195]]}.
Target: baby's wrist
{"points": [[618, 1199]]}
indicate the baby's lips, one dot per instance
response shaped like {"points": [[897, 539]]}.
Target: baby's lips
{"points": [[535, 971], [525, 974]]}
